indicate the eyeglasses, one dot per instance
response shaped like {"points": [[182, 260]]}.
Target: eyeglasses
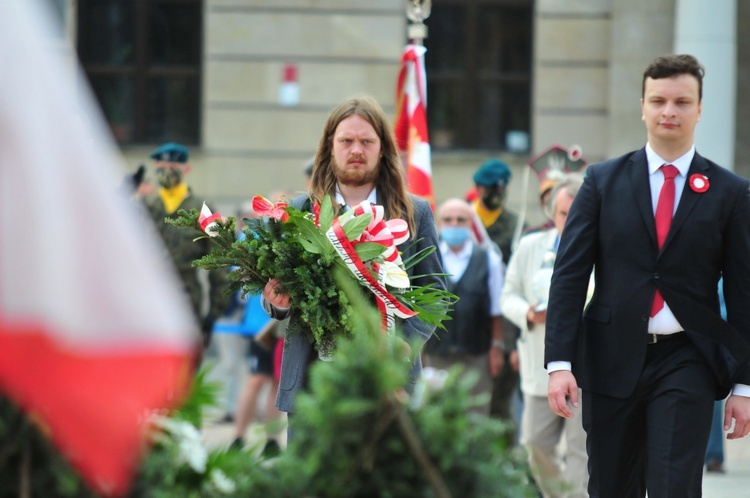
{"points": [[458, 219]]}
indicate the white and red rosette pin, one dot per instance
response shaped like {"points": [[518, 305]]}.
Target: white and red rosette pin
{"points": [[699, 183]]}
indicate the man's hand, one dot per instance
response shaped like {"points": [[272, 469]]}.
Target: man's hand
{"points": [[273, 297], [737, 408], [536, 317], [497, 359], [561, 388]]}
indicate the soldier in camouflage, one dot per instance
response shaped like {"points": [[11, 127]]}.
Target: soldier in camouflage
{"points": [[174, 194]]}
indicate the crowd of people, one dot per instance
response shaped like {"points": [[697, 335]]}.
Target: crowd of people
{"points": [[617, 400]]}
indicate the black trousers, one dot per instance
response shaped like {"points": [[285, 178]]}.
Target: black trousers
{"points": [[656, 439]]}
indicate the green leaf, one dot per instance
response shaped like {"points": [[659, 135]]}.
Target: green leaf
{"points": [[310, 246], [418, 256], [314, 237], [368, 251], [357, 225], [326, 213]]}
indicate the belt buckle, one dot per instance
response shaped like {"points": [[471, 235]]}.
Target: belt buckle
{"points": [[652, 339]]}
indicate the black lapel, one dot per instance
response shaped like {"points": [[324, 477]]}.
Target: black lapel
{"points": [[689, 197], [641, 188]]}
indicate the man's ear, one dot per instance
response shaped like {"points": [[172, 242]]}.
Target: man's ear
{"points": [[186, 168]]}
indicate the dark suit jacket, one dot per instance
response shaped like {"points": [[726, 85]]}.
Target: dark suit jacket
{"points": [[297, 348], [611, 228]]}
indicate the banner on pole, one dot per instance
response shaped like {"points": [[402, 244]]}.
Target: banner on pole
{"points": [[411, 123]]}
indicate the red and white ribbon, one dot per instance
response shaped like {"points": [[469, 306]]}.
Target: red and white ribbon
{"points": [[207, 220], [386, 233], [388, 305]]}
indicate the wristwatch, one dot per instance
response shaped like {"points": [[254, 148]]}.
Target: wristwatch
{"points": [[498, 344]]}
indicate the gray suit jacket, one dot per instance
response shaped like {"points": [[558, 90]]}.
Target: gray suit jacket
{"points": [[297, 349]]}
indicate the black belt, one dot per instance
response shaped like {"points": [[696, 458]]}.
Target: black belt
{"points": [[656, 338]]}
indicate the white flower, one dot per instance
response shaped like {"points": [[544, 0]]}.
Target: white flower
{"points": [[221, 482], [395, 275], [188, 440], [194, 454]]}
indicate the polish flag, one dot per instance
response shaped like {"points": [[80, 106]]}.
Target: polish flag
{"points": [[411, 122], [94, 331]]}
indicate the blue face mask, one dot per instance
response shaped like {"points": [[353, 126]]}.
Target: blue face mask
{"points": [[455, 236]]}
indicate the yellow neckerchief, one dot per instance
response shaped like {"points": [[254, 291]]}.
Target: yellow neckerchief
{"points": [[488, 216], [173, 197]]}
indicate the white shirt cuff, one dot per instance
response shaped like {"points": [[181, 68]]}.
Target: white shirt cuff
{"points": [[741, 390], [554, 366]]}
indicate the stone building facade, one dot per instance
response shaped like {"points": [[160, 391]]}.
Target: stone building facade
{"points": [[588, 57]]}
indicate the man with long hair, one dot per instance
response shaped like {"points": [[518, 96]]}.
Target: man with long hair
{"points": [[358, 160]]}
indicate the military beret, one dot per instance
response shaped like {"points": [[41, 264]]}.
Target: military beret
{"points": [[171, 152], [491, 173]]}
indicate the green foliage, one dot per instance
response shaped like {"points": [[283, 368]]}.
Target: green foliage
{"points": [[203, 394], [179, 465], [272, 249], [356, 433], [300, 256]]}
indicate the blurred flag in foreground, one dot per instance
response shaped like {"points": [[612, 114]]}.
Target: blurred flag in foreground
{"points": [[94, 333], [411, 122]]}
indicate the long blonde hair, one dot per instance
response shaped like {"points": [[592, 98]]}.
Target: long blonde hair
{"points": [[391, 181]]}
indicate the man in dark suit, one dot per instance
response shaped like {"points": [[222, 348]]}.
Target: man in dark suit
{"points": [[358, 160], [659, 226]]}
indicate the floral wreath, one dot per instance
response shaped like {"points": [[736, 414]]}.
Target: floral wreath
{"points": [[306, 251]]}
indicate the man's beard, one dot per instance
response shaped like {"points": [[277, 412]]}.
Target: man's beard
{"points": [[354, 177]]}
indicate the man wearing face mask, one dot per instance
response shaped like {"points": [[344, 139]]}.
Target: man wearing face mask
{"points": [[474, 335], [173, 194]]}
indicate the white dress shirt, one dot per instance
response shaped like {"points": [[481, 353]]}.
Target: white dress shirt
{"points": [[664, 322], [372, 197]]}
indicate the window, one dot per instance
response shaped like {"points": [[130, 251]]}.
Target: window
{"points": [[143, 60], [478, 63]]}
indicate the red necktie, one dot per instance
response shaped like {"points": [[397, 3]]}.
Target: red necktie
{"points": [[663, 219]]}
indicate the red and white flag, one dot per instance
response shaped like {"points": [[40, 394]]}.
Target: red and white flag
{"points": [[411, 122], [94, 331]]}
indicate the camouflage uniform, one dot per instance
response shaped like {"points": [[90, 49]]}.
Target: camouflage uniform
{"points": [[182, 252]]}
